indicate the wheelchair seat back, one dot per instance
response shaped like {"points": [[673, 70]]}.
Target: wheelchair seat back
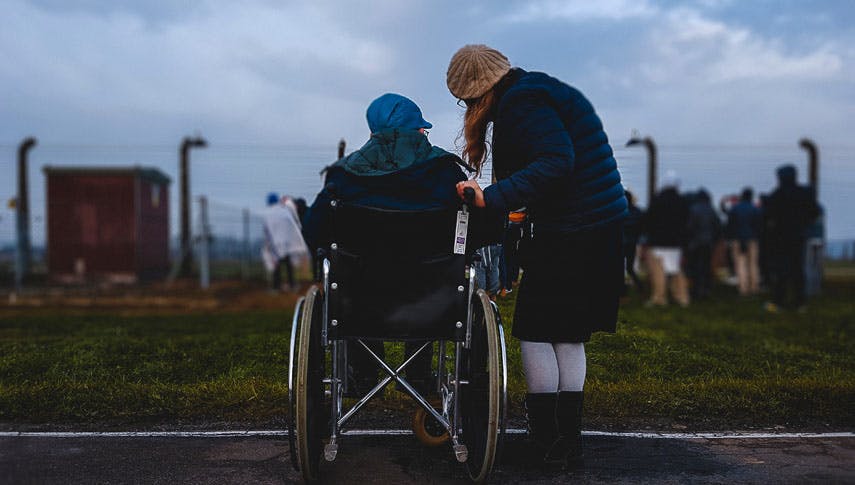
{"points": [[394, 275]]}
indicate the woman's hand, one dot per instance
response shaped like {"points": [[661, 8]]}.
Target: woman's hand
{"points": [[479, 194]]}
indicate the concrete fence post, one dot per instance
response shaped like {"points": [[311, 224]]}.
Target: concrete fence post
{"points": [[244, 259], [23, 249], [652, 163], [184, 173], [204, 241]]}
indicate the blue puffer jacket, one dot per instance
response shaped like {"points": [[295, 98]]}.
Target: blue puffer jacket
{"points": [[394, 170], [551, 155]]}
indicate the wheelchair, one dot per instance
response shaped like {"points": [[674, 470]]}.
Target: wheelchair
{"points": [[396, 276]]}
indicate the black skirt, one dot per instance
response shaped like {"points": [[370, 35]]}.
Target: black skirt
{"points": [[571, 285]]}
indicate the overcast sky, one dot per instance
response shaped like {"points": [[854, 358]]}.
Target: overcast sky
{"points": [[285, 72], [265, 72]]}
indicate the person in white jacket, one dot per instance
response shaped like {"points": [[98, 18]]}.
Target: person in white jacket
{"points": [[283, 240]]}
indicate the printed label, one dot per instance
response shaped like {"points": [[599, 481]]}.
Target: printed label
{"points": [[460, 232]]}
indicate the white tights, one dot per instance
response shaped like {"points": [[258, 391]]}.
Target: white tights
{"points": [[551, 367]]}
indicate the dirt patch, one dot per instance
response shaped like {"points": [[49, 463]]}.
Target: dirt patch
{"points": [[180, 297]]}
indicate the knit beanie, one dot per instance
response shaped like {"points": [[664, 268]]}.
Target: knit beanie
{"points": [[474, 69]]}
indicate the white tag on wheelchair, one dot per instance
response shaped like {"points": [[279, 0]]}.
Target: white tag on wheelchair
{"points": [[460, 232]]}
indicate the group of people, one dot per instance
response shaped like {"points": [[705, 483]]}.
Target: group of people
{"points": [[557, 188], [764, 240]]}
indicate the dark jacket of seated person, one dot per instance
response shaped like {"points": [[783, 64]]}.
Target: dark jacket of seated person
{"points": [[397, 169]]}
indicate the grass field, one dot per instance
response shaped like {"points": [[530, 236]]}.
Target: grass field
{"points": [[723, 364]]}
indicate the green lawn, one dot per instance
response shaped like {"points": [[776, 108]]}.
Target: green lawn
{"points": [[716, 365]]}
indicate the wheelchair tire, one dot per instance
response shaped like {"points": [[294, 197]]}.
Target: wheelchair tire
{"points": [[481, 398], [424, 430], [292, 395], [310, 406], [503, 398]]}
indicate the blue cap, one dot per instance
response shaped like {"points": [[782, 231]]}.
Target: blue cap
{"points": [[272, 198], [394, 111]]}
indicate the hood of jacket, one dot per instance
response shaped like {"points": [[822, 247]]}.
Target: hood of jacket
{"points": [[391, 151]]}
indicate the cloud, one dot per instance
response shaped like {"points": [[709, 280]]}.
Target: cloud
{"points": [[690, 46], [297, 72], [714, 4], [579, 10], [693, 77], [263, 70]]}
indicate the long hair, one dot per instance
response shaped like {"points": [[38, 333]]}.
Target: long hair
{"points": [[475, 123]]}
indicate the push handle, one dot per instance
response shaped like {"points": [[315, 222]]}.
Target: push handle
{"points": [[469, 196]]}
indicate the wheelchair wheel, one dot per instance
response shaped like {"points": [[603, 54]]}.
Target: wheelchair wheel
{"points": [[310, 405], [292, 395], [428, 430], [481, 398]]}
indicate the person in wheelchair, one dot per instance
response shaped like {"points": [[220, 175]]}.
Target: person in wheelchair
{"points": [[397, 168]]}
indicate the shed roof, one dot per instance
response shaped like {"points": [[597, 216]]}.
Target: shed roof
{"points": [[146, 173]]}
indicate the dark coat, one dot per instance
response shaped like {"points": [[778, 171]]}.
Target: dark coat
{"points": [[666, 219], [398, 170], [632, 229], [790, 210], [744, 222], [703, 227], [551, 155]]}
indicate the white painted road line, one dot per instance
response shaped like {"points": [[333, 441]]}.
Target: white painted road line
{"points": [[399, 432], [719, 435]]}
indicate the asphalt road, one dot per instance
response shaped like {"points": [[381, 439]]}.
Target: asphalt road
{"points": [[400, 459]]}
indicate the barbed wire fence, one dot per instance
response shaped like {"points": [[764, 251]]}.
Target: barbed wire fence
{"points": [[234, 177], [235, 240]]}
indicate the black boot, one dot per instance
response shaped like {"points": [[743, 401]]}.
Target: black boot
{"points": [[567, 449], [542, 427]]}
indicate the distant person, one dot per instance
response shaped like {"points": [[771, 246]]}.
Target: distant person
{"points": [[631, 236], [488, 264], [767, 273], [703, 230], [665, 230], [397, 168], [815, 254], [283, 241], [302, 209], [487, 269], [728, 233], [790, 211], [744, 221]]}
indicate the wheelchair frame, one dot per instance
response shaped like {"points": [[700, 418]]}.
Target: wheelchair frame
{"points": [[478, 371]]}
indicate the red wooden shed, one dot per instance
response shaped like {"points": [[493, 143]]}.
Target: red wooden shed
{"points": [[107, 223]]}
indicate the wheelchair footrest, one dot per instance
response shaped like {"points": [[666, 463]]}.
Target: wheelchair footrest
{"points": [[461, 453], [330, 451]]}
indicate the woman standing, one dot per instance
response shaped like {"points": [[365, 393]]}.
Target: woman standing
{"points": [[551, 156]]}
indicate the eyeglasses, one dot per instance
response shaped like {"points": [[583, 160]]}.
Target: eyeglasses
{"points": [[426, 132], [467, 103]]}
